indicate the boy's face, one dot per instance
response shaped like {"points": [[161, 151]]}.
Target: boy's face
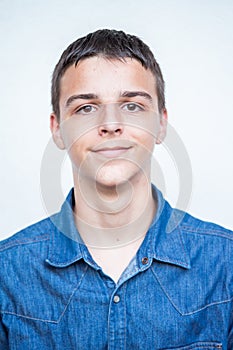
{"points": [[109, 119]]}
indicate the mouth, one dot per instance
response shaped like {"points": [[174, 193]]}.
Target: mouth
{"points": [[112, 151]]}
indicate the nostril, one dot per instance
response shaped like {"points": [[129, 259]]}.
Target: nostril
{"points": [[111, 129]]}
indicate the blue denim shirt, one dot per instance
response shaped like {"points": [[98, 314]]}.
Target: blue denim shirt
{"points": [[175, 294]]}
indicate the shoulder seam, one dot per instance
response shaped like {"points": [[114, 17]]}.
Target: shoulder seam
{"points": [[211, 231], [24, 241]]}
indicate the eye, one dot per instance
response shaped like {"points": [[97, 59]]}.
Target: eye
{"points": [[87, 109], [132, 107]]}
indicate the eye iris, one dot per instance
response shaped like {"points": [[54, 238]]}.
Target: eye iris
{"points": [[87, 109], [131, 107]]}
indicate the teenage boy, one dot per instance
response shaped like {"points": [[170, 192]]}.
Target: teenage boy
{"points": [[105, 272]]}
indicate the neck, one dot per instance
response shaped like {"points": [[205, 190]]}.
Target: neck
{"points": [[108, 217]]}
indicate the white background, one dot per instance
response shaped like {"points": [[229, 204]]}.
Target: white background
{"points": [[193, 42]]}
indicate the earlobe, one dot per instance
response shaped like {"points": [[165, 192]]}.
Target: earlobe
{"points": [[163, 127], [56, 131]]}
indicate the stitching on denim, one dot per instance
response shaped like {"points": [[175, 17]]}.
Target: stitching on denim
{"points": [[185, 263], [84, 273], [203, 345], [63, 264], [51, 245], [51, 255], [125, 318], [183, 248], [173, 261], [28, 317], [192, 312], [24, 242], [46, 320], [204, 231]]}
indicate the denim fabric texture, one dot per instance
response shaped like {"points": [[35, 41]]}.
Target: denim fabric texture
{"points": [[175, 294]]}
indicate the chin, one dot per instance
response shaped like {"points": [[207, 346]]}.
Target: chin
{"points": [[116, 176], [111, 182]]}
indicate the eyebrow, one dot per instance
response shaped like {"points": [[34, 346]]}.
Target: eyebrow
{"points": [[91, 96], [137, 93], [80, 97]]}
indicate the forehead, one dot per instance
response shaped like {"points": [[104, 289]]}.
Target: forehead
{"points": [[106, 77]]}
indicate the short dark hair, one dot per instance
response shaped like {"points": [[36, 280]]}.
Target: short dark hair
{"points": [[110, 44]]}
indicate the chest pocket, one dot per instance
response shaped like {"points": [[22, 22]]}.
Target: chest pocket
{"points": [[198, 346]]}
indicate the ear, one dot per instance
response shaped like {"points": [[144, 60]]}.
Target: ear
{"points": [[163, 127], [56, 131]]}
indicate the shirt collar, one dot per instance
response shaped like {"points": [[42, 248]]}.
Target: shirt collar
{"points": [[66, 245], [163, 241]]}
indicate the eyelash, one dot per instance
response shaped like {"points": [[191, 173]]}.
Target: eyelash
{"points": [[81, 110], [138, 107]]}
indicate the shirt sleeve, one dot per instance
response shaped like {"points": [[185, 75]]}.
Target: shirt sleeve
{"points": [[230, 334], [3, 336]]}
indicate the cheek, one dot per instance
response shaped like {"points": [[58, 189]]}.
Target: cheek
{"points": [[76, 131], [78, 146], [143, 138], [144, 130]]}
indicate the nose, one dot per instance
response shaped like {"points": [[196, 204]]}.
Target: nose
{"points": [[111, 123], [110, 129]]}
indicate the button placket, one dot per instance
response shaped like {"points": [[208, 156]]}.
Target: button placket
{"points": [[117, 320]]}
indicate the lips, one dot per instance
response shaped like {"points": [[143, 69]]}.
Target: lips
{"points": [[113, 150]]}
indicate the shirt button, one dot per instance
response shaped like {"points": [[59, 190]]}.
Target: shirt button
{"points": [[116, 299], [145, 260]]}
